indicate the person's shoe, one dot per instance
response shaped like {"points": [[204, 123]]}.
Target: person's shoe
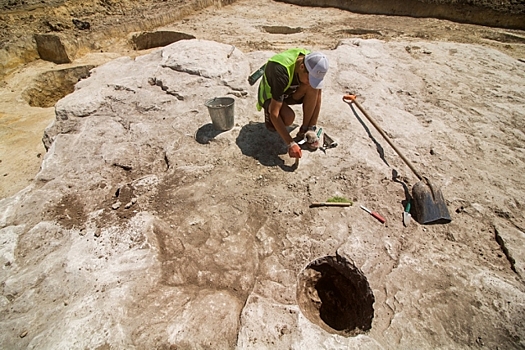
{"points": [[300, 134]]}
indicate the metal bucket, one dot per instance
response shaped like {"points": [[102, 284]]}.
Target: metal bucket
{"points": [[221, 112]]}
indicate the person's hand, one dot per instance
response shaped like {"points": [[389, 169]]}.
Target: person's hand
{"points": [[311, 136], [294, 151], [312, 141]]}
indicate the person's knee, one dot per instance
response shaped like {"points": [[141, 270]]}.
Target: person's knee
{"points": [[287, 115], [287, 118], [317, 93], [288, 121]]}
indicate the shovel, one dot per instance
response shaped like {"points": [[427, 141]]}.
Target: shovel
{"points": [[429, 204]]}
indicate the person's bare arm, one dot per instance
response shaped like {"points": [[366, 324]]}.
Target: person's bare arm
{"points": [[275, 109]]}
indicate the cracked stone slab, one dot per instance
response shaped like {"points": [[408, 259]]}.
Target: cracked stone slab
{"points": [[512, 242]]}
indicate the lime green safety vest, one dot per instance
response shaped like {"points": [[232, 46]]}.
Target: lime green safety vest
{"points": [[287, 59]]}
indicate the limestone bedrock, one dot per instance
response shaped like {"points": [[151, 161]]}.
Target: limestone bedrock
{"points": [[146, 228]]}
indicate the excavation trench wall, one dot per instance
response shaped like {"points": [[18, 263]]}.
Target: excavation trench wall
{"points": [[502, 15], [14, 53]]}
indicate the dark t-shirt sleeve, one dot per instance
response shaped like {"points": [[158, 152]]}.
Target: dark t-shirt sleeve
{"points": [[277, 78]]}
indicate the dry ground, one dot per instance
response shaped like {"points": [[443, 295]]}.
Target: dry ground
{"points": [[279, 26], [265, 25]]}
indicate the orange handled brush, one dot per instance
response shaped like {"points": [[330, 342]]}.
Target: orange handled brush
{"points": [[374, 214]]}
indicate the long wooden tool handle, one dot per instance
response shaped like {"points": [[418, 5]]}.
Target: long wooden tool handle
{"points": [[352, 98], [330, 204]]}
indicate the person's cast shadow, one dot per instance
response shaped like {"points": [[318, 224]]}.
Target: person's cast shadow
{"points": [[256, 141]]}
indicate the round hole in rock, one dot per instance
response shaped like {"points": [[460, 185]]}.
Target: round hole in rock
{"points": [[334, 294], [359, 31]]}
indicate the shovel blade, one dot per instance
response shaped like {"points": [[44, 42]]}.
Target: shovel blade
{"points": [[429, 205]]}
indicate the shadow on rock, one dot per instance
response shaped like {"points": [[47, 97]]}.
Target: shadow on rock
{"points": [[206, 133], [256, 141], [379, 148]]}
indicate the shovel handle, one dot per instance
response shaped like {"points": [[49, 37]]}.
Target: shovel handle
{"points": [[352, 99]]}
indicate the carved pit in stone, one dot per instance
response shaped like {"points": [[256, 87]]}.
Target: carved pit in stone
{"points": [[149, 40], [51, 86], [282, 30], [334, 294]]}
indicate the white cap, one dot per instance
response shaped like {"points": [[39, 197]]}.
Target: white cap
{"points": [[316, 64]]}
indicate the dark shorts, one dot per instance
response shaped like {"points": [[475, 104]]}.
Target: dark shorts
{"points": [[267, 119]]}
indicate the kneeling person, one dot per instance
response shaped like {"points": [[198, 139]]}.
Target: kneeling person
{"points": [[293, 77]]}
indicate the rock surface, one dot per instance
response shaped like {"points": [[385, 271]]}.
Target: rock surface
{"points": [[147, 228], [248, 25]]}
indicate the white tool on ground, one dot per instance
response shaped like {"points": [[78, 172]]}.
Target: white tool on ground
{"points": [[406, 215]]}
